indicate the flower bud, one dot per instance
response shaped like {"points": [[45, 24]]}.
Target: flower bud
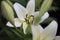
{"points": [[9, 2], [44, 7], [7, 11], [37, 3]]}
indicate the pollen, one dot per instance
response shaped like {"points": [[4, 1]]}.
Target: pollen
{"points": [[29, 18]]}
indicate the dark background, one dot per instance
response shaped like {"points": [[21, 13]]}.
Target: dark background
{"points": [[56, 14]]}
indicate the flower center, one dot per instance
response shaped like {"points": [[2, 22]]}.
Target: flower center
{"points": [[29, 18]]}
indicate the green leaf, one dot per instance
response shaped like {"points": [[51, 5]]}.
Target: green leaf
{"points": [[12, 35], [4, 36]]}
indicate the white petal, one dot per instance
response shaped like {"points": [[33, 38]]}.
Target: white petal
{"points": [[45, 16], [24, 27], [36, 13], [36, 31], [20, 11], [9, 24], [17, 23], [57, 38], [49, 32], [31, 6]]}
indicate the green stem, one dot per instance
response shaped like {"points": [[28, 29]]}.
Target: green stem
{"points": [[17, 34], [19, 31]]}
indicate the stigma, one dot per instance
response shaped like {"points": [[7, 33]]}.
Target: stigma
{"points": [[29, 18]]}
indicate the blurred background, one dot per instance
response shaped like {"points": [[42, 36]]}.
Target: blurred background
{"points": [[54, 12]]}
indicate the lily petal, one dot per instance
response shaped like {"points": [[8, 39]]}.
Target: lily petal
{"points": [[17, 23], [57, 38], [36, 13], [20, 11], [45, 16], [36, 31], [49, 32], [25, 25], [31, 6]]}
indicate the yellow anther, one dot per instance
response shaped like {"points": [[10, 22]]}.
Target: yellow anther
{"points": [[29, 18]]}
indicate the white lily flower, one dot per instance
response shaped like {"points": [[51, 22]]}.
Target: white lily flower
{"points": [[26, 15], [49, 33]]}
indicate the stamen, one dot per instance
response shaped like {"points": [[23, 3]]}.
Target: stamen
{"points": [[29, 19], [26, 20], [31, 16], [26, 15]]}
